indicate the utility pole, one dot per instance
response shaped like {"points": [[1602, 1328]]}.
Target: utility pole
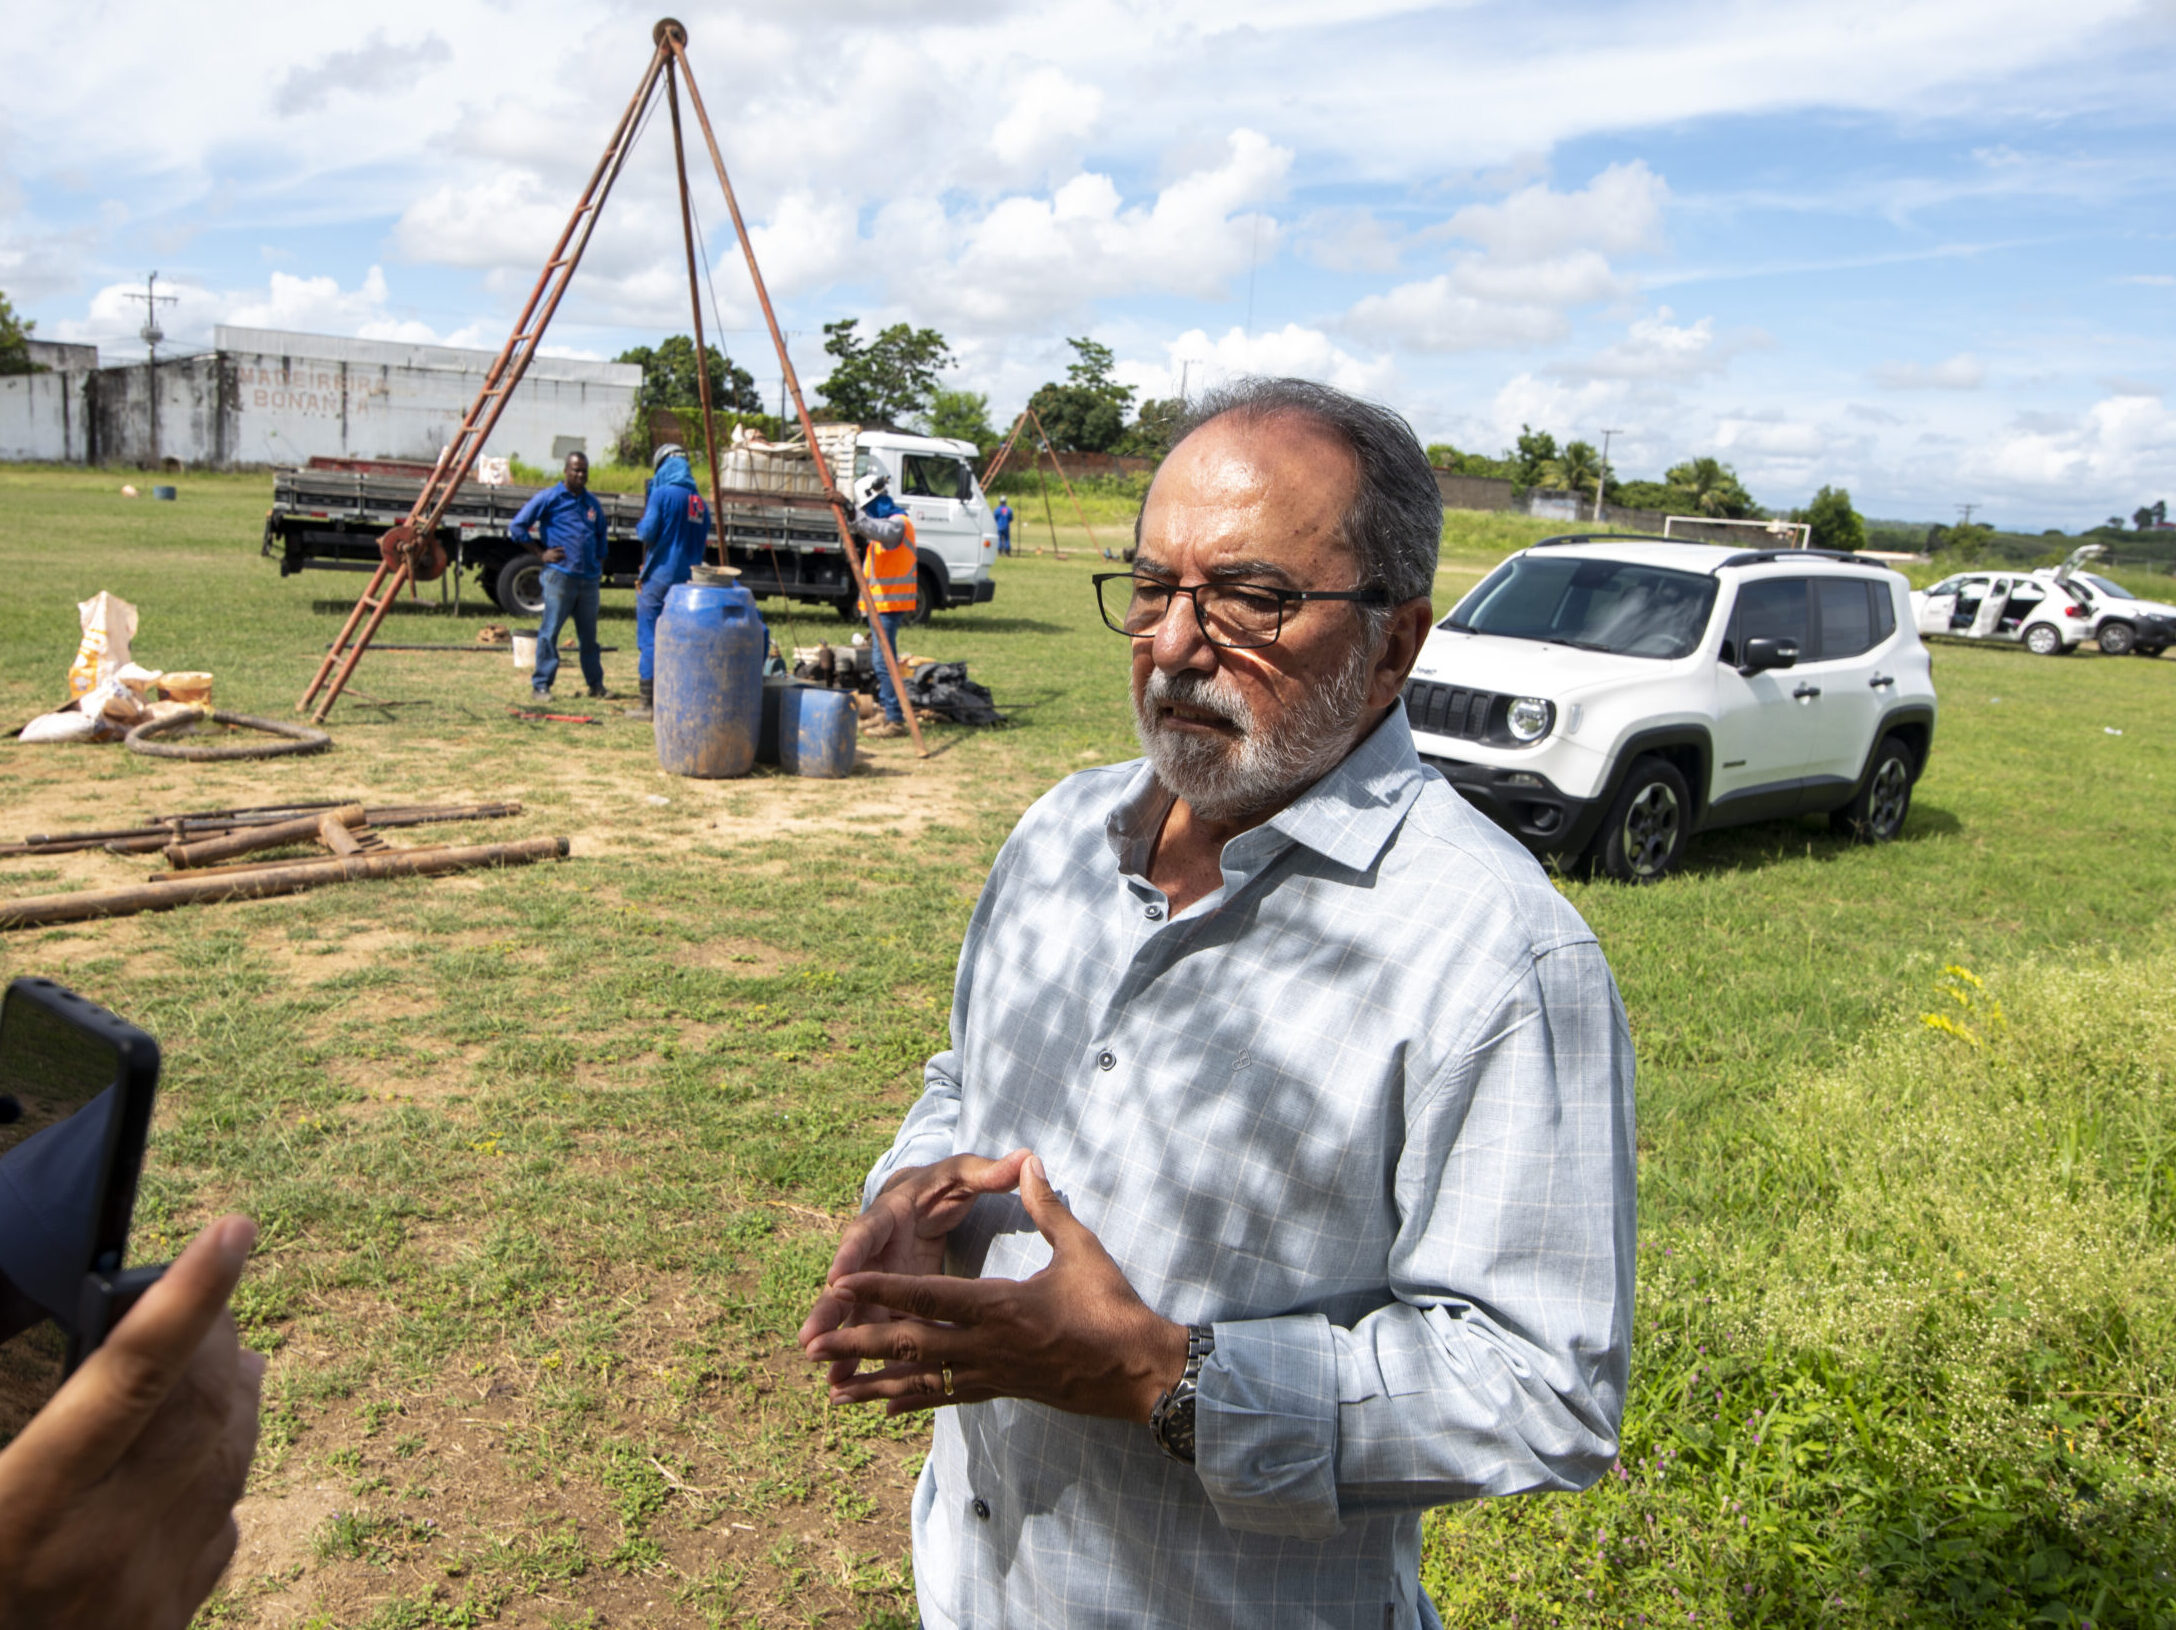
{"points": [[1601, 482], [1964, 514], [152, 335]]}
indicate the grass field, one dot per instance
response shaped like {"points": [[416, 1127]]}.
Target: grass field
{"points": [[549, 1161]]}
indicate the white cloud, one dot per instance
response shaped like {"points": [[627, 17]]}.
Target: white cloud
{"points": [[2121, 444], [1618, 212], [1434, 316], [2151, 280], [1962, 372], [1656, 347], [1051, 115], [1351, 239], [375, 66], [1577, 278], [1304, 353], [311, 305]]}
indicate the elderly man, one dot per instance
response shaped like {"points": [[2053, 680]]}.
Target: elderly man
{"points": [[1318, 1205]]}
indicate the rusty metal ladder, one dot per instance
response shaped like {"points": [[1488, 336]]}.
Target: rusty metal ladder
{"points": [[405, 547]]}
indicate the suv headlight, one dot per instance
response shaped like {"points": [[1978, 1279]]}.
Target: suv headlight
{"points": [[1529, 718]]}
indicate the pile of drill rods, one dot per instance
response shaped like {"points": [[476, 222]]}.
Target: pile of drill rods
{"points": [[165, 829]]}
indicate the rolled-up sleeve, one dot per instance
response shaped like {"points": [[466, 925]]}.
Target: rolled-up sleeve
{"points": [[1500, 1367]]}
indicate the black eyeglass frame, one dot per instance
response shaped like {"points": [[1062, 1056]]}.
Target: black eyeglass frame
{"points": [[1285, 598]]}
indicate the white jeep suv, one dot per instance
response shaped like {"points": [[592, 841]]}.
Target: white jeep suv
{"points": [[1603, 698]]}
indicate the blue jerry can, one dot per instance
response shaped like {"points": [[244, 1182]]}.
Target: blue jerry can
{"points": [[816, 732], [709, 688]]}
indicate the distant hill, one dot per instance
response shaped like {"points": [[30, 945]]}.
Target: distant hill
{"points": [[2135, 551]]}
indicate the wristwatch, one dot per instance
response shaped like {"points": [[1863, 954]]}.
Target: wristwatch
{"points": [[1171, 1422]]}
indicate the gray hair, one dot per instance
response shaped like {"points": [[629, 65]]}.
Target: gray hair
{"points": [[1394, 523]]}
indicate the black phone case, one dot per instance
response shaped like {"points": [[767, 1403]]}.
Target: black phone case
{"points": [[108, 1291]]}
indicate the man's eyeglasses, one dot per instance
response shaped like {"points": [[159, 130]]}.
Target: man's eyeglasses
{"points": [[1237, 615]]}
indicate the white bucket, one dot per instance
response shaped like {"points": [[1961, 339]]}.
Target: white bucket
{"points": [[524, 652]]}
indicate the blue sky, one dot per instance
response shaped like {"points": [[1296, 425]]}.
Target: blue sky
{"points": [[1921, 250]]}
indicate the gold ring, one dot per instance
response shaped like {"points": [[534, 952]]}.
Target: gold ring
{"points": [[947, 1373]]}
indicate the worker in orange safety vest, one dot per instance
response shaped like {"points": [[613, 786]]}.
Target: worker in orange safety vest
{"points": [[889, 565]]}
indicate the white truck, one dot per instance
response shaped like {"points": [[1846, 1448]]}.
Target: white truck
{"points": [[775, 524]]}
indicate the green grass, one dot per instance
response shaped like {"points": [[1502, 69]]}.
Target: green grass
{"points": [[547, 1160]]}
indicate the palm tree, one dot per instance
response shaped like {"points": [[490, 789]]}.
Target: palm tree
{"points": [[1710, 487], [1576, 469]]}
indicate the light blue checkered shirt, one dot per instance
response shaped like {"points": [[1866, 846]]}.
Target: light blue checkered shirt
{"points": [[1367, 1109]]}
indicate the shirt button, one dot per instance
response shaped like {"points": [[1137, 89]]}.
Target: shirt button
{"points": [[1107, 1060], [1155, 914], [982, 1509]]}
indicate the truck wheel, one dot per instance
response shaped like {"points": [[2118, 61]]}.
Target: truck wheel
{"points": [[519, 587], [2117, 639], [2042, 640], [1644, 837], [928, 597], [1877, 810]]}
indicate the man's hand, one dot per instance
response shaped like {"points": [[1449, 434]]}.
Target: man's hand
{"points": [[904, 1233], [1075, 1336], [553, 557], [837, 499], [117, 1500]]}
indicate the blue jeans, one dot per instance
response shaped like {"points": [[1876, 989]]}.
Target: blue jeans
{"points": [[649, 606], [886, 699], [1004, 542], [566, 597]]}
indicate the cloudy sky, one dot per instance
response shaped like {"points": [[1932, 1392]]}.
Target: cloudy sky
{"points": [[1919, 248]]}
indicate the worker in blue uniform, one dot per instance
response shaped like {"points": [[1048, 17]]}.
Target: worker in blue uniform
{"points": [[570, 521], [674, 529]]}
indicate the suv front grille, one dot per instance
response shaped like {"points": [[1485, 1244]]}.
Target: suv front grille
{"points": [[1448, 710]]}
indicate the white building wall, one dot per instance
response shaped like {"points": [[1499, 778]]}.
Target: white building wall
{"points": [[42, 418], [297, 396]]}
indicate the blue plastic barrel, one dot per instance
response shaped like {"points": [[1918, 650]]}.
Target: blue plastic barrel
{"points": [[709, 686], [816, 731], [167, 493]]}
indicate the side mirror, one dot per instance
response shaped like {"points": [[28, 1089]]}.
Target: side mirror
{"points": [[1761, 655]]}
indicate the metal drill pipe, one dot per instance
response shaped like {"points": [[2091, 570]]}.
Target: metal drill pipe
{"points": [[676, 38], [695, 304]]}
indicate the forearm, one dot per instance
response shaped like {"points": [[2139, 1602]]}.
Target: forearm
{"points": [[1301, 1424]]}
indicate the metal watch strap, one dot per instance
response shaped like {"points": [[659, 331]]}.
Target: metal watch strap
{"points": [[1171, 1422]]}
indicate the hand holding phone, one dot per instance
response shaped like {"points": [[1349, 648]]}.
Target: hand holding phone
{"points": [[117, 1499]]}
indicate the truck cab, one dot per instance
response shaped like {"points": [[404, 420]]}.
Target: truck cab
{"points": [[933, 479]]}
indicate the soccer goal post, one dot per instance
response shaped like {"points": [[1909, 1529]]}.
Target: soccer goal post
{"points": [[1789, 534]]}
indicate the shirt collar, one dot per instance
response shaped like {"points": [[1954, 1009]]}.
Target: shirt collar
{"points": [[1348, 817]]}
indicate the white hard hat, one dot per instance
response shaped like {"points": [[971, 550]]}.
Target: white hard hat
{"points": [[869, 486], [671, 449]]}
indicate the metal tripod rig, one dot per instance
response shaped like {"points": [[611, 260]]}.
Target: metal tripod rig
{"points": [[410, 550]]}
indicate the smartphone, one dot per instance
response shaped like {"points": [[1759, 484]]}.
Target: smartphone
{"points": [[76, 1086]]}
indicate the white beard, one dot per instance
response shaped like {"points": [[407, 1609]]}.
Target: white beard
{"points": [[1261, 771]]}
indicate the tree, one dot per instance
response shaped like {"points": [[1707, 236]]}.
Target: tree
{"points": [[1531, 459], [15, 341], [1086, 414], [1149, 436], [1836, 525], [668, 378], [1578, 468], [1964, 543], [890, 380], [964, 416], [1708, 486], [2148, 516], [1444, 456]]}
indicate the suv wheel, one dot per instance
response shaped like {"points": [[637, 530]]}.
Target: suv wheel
{"points": [[2042, 640], [519, 588], [1644, 837], [2117, 639], [1876, 812]]}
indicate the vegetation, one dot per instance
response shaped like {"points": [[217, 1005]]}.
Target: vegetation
{"points": [[1086, 414], [964, 415], [548, 1161], [1835, 524], [890, 380], [14, 337]]}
